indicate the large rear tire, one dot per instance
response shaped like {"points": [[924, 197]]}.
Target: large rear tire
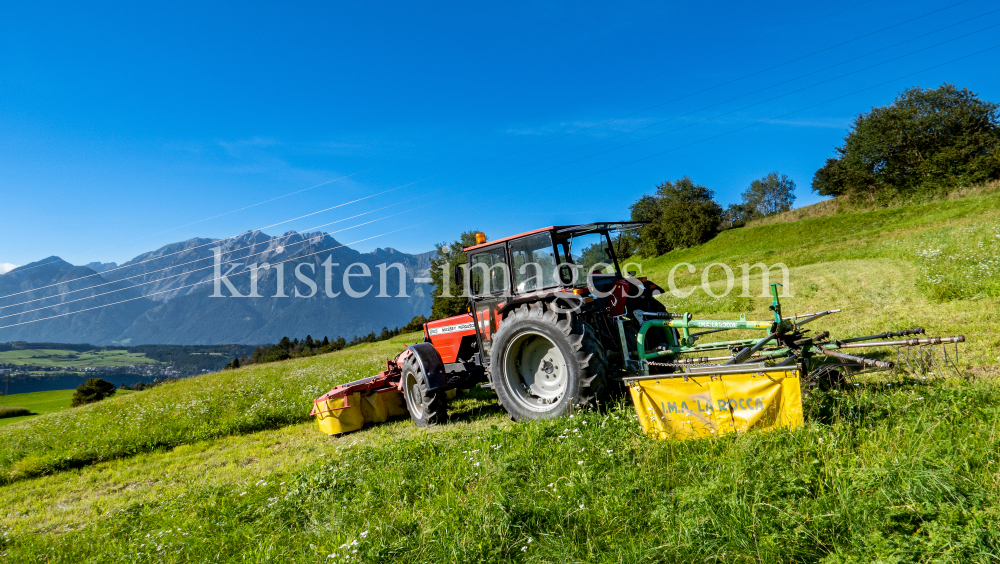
{"points": [[427, 407], [543, 366]]}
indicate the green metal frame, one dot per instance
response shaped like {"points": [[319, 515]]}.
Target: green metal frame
{"points": [[687, 342]]}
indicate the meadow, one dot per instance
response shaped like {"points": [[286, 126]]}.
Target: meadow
{"points": [[40, 403], [227, 467], [63, 358]]}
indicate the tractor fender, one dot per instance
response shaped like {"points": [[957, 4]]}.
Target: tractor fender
{"points": [[431, 364], [575, 300]]}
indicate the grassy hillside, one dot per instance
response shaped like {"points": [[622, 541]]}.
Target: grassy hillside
{"points": [[227, 467], [40, 403], [935, 265]]}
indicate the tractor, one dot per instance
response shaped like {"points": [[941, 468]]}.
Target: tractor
{"points": [[554, 324]]}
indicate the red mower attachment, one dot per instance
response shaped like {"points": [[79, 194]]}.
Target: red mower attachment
{"points": [[412, 384]]}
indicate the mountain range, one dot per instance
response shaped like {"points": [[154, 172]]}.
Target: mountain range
{"points": [[171, 295]]}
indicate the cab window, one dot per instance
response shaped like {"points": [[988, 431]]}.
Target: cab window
{"points": [[488, 272], [592, 252], [533, 262]]}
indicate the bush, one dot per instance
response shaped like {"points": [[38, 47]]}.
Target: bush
{"points": [[682, 214], [93, 390], [6, 411], [926, 143]]}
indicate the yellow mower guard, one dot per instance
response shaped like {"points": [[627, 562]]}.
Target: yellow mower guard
{"points": [[730, 400]]}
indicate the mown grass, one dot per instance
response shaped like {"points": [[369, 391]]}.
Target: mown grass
{"points": [[226, 467], [881, 473], [225, 403]]}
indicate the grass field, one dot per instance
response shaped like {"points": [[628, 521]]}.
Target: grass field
{"points": [[61, 358], [226, 467], [40, 403]]}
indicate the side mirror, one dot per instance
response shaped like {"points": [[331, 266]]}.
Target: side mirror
{"points": [[566, 274]]}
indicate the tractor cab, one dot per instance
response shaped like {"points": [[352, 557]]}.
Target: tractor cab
{"points": [[557, 257], [559, 266]]}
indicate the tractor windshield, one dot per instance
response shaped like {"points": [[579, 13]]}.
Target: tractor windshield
{"points": [[590, 251]]}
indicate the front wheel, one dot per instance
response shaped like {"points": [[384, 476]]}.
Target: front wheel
{"points": [[542, 367], [427, 407]]}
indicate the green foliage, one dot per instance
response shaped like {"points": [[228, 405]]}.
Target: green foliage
{"points": [[769, 195], [12, 411], [827, 180], [93, 390], [443, 265], [682, 214], [415, 324], [235, 363], [193, 359], [736, 215], [923, 145], [140, 386]]}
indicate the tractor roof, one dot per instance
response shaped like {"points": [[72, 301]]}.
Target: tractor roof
{"points": [[572, 230]]}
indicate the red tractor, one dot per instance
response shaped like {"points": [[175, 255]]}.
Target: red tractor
{"points": [[549, 316], [553, 324]]}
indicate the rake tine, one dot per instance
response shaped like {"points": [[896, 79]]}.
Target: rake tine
{"points": [[908, 361], [947, 361]]}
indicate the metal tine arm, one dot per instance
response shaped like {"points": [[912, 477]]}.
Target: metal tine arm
{"points": [[887, 335]]}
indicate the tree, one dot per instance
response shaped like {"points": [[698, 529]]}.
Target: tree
{"points": [[827, 181], [94, 389], [769, 195], [444, 265], [649, 240], [415, 324], [232, 365], [736, 215], [924, 144], [681, 214]]}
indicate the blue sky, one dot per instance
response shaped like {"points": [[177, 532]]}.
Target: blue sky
{"points": [[124, 127]]}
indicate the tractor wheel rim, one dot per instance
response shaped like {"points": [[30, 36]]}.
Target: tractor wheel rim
{"points": [[536, 371], [415, 395]]}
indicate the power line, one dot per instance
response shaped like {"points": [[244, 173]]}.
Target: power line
{"points": [[524, 176], [492, 203], [799, 58], [703, 59], [22, 269], [560, 136]]}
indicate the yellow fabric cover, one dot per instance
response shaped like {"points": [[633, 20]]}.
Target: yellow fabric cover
{"points": [[706, 405], [351, 413], [340, 415]]}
